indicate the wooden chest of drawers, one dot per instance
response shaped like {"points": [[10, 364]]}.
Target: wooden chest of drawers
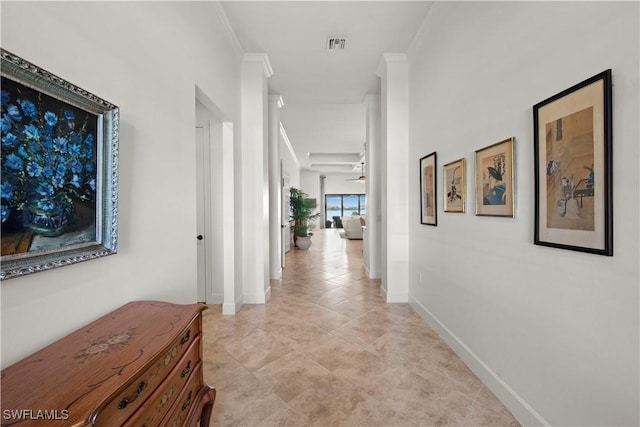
{"points": [[140, 365]]}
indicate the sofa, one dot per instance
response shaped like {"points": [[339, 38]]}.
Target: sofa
{"points": [[353, 226]]}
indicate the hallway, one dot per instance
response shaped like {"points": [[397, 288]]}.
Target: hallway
{"points": [[327, 350]]}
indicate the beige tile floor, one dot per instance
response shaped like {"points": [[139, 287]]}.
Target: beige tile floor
{"points": [[326, 350]]}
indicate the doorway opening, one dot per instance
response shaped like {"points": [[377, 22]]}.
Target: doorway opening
{"points": [[214, 235]]}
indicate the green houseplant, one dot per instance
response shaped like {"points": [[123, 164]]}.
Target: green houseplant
{"points": [[303, 216]]}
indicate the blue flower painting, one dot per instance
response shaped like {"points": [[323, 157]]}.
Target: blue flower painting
{"points": [[48, 163]]}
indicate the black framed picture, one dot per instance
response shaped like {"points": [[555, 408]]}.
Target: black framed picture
{"points": [[573, 168], [428, 206]]}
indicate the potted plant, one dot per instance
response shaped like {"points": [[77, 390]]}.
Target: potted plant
{"points": [[302, 214]]}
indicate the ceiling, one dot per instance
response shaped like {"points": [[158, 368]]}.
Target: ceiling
{"points": [[323, 90]]}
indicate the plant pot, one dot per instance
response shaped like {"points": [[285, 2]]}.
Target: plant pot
{"points": [[303, 242]]}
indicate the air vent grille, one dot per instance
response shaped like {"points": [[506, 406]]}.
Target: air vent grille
{"points": [[336, 43]]}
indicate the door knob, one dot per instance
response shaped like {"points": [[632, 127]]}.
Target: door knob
{"points": [[200, 237]]}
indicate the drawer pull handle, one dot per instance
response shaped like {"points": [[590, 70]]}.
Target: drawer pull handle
{"points": [[186, 404], [124, 402], [186, 337], [186, 370]]}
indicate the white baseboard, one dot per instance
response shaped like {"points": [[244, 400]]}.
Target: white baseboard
{"points": [[253, 299], [520, 409], [397, 297], [232, 308], [258, 298], [372, 274], [276, 275], [229, 309], [393, 297], [383, 292]]}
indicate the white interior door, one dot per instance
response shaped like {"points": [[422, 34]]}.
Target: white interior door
{"points": [[201, 214]]}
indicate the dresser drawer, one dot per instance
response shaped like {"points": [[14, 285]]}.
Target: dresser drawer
{"points": [[121, 407], [158, 404], [189, 399], [107, 372]]}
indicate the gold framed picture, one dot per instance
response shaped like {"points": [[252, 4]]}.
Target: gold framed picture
{"points": [[495, 192], [454, 186]]}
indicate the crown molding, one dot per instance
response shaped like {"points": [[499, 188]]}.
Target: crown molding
{"points": [[390, 58], [277, 99], [287, 143], [228, 29], [421, 34], [259, 57]]}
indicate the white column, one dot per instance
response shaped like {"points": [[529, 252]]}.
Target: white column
{"points": [[232, 300], [275, 188], [373, 168], [394, 143], [255, 71]]}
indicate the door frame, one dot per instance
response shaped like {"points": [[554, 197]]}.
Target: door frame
{"points": [[219, 204]]}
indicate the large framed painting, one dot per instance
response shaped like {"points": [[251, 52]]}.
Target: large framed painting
{"points": [[454, 186], [59, 184], [573, 168], [495, 183], [428, 206]]}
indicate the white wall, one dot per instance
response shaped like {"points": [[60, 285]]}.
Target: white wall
{"points": [[310, 184], [553, 332], [290, 165], [290, 169], [150, 71]]}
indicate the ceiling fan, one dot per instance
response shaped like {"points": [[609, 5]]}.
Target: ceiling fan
{"points": [[361, 178]]}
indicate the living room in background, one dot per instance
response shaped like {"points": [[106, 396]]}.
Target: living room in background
{"points": [[344, 204]]}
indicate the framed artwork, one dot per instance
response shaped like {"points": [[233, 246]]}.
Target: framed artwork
{"points": [[59, 198], [428, 206], [454, 186], [495, 191], [573, 168]]}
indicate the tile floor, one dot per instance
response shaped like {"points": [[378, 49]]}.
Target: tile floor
{"points": [[326, 350]]}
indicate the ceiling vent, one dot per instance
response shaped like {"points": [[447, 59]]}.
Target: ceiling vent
{"points": [[336, 43]]}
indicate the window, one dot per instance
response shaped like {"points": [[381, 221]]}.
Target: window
{"points": [[344, 205]]}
